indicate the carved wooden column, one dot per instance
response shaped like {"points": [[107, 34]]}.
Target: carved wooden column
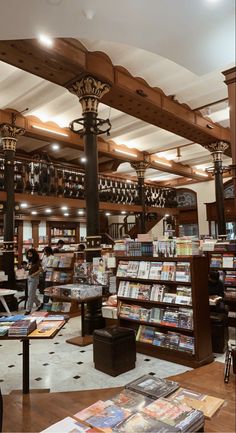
{"points": [[217, 150], [9, 133], [140, 168], [230, 80], [89, 91]]}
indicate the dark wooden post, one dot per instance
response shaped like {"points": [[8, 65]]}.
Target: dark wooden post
{"points": [[89, 91], [230, 80], [140, 168], [217, 150], [9, 133]]}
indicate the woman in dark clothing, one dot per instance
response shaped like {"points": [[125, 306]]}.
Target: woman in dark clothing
{"points": [[34, 270], [215, 285]]}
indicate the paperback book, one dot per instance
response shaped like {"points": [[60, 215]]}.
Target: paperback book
{"points": [[153, 387], [183, 272], [103, 414], [131, 400], [206, 403], [142, 423]]}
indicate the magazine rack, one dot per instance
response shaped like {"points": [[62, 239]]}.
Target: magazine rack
{"points": [[201, 331]]}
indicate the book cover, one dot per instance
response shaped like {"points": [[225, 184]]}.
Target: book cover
{"points": [[177, 415], [143, 271], [153, 387], [132, 269], [122, 268], [131, 400], [155, 270], [142, 423], [106, 415], [205, 403], [183, 272], [69, 425]]}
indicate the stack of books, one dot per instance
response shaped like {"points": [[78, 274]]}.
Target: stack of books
{"points": [[22, 328]]}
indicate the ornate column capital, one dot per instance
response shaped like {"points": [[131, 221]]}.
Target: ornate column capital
{"points": [[217, 149], [89, 91], [140, 167], [9, 135]]}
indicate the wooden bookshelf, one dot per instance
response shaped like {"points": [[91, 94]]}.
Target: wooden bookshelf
{"points": [[200, 306], [229, 300]]}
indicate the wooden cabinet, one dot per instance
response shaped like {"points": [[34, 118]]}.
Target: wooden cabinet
{"points": [[200, 333]]}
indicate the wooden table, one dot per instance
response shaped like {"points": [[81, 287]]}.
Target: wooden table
{"points": [[35, 412], [26, 356], [6, 292]]}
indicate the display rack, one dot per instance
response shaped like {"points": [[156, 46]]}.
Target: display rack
{"points": [[225, 262], [200, 331]]}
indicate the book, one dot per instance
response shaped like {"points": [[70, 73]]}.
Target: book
{"points": [[69, 425], [132, 269], [131, 400], [4, 330], [143, 271], [104, 414], [168, 271], [22, 328], [155, 270], [142, 423], [228, 261], [153, 387], [122, 269], [206, 403], [183, 272], [178, 415]]}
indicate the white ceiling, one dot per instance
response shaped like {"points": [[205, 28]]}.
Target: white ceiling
{"points": [[181, 49]]}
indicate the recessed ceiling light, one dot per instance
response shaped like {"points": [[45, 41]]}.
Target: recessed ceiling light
{"points": [[166, 215], [107, 214], [48, 210], [80, 212], [128, 181], [45, 40], [23, 205], [123, 211], [83, 159], [34, 212], [89, 14], [55, 146], [66, 214], [64, 208]]}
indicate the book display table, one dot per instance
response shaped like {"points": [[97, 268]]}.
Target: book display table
{"points": [[55, 406], [26, 354], [6, 292]]}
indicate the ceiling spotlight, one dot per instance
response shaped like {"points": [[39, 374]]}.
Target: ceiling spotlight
{"points": [[89, 14], [45, 40], [66, 214], [48, 210], [107, 214], [23, 205], [123, 212], [55, 146], [83, 159], [34, 212], [64, 208], [81, 212]]}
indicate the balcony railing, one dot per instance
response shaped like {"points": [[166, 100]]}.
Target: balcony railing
{"points": [[41, 177]]}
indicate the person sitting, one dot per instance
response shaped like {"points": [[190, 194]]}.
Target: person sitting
{"points": [[215, 285], [59, 247]]}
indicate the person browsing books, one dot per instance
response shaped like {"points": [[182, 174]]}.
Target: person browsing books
{"points": [[59, 247], [34, 270]]}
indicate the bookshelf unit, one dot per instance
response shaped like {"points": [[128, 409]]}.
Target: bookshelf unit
{"points": [[66, 231], [61, 272], [225, 261], [200, 331]]}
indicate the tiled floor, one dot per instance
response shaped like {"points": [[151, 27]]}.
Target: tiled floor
{"points": [[60, 366]]}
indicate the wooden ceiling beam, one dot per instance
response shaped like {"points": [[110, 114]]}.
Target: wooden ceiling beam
{"points": [[68, 61], [34, 128]]}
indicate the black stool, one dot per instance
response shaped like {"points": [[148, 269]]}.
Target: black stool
{"points": [[114, 350]]}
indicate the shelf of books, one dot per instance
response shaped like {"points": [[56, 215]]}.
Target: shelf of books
{"points": [[165, 300], [60, 270], [225, 263]]}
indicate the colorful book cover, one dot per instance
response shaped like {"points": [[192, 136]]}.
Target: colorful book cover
{"points": [[153, 387], [131, 400], [142, 423], [109, 417], [205, 403]]}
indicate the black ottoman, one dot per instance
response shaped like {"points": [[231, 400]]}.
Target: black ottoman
{"points": [[114, 350]]}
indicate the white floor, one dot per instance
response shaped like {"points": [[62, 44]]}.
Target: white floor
{"points": [[60, 366]]}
